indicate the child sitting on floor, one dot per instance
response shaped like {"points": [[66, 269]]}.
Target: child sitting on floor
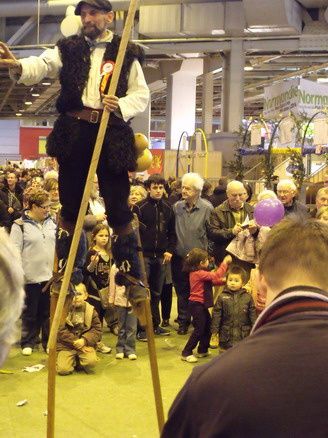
{"points": [[78, 337], [234, 312], [201, 298]]}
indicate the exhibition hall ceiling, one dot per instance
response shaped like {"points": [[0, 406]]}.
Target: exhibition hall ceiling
{"points": [[282, 38]]}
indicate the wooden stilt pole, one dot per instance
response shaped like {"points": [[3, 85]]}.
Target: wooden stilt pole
{"points": [[154, 366], [145, 317], [79, 223]]}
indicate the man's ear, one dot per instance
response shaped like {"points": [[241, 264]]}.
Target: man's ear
{"points": [[110, 16], [262, 285]]}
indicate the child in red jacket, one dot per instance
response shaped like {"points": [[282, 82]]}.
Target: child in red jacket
{"points": [[201, 299]]}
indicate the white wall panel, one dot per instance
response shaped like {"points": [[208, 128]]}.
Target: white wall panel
{"points": [[9, 137]]}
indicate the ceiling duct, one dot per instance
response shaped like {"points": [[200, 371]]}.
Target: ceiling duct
{"points": [[284, 16], [192, 19]]}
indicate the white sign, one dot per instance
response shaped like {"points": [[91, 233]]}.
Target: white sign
{"points": [[280, 99], [295, 96]]}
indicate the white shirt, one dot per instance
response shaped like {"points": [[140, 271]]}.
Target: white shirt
{"points": [[49, 64]]}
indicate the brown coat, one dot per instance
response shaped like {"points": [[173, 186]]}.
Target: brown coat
{"points": [[91, 334]]}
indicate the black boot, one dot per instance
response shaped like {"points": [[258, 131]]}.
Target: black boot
{"points": [[64, 235], [125, 252]]}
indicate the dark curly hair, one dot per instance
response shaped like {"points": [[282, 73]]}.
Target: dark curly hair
{"points": [[194, 258]]}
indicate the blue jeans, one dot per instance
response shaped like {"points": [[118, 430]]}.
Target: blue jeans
{"points": [[155, 271], [127, 330]]}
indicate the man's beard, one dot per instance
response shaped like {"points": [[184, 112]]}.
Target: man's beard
{"points": [[92, 32]]}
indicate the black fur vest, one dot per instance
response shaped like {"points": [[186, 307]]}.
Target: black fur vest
{"points": [[75, 55]]}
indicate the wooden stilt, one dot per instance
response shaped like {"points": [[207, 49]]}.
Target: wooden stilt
{"points": [[83, 207], [154, 366], [145, 318]]}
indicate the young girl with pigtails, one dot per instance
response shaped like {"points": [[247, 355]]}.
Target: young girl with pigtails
{"points": [[98, 263]]}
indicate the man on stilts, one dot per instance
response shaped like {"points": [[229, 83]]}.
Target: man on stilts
{"points": [[84, 64]]}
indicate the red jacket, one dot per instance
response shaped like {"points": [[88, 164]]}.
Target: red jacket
{"points": [[201, 284]]}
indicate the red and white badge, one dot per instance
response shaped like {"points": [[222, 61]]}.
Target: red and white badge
{"points": [[106, 71], [107, 68]]}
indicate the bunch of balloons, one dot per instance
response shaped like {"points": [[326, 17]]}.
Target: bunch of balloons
{"points": [[144, 158], [268, 212]]}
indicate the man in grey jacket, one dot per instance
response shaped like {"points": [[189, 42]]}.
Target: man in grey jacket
{"points": [[191, 216]]}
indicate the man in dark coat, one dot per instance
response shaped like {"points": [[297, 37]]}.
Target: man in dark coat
{"points": [[274, 383], [226, 221]]}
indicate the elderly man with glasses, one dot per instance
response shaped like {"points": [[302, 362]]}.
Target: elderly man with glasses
{"points": [[287, 191]]}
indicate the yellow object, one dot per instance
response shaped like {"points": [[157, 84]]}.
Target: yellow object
{"points": [[144, 160], [141, 142], [286, 151]]}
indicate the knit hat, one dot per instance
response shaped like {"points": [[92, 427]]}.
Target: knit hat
{"points": [[104, 5]]}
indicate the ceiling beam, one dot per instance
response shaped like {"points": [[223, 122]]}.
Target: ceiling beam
{"points": [[23, 31]]}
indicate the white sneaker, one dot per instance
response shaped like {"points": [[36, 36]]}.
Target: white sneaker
{"points": [[102, 348], [27, 351], [190, 359], [208, 353], [132, 356], [119, 356]]}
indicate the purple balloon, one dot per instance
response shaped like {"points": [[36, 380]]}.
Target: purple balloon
{"points": [[268, 212]]}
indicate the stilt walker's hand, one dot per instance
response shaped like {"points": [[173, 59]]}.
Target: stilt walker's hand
{"points": [[7, 59], [110, 102]]}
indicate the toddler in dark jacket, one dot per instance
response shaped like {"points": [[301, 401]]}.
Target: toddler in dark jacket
{"points": [[234, 312]]}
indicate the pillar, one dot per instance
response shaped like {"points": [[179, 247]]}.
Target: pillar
{"points": [[232, 103], [181, 101]]}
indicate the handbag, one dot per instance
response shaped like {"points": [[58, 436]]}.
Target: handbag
{"points": [[104, 297]]}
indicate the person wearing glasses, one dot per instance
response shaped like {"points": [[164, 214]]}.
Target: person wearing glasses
{"points": [[286, 191], [34, 236]]}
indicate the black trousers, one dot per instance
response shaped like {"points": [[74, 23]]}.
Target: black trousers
{"points": [[35, 316], [201, 320], [182, 289], [114, 187], [155, 271], [166, 301]]}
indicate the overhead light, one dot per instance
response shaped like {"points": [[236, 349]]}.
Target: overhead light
{"points": [[46, 83], [35, 94], [19, 114], [248, 68], [28, 103], [218, 32]]}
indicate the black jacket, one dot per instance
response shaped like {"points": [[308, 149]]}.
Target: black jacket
{"points": [[233, 316], [157, 226], [219, 228], [273, 384]]}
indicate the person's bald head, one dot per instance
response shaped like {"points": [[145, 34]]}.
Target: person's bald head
{"points": [[236, 194]]}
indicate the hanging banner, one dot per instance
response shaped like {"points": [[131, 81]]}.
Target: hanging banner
{"points": [[287, 130], [157, 165], [256, 138], [280, 99], [320, 134], [297, 96]]}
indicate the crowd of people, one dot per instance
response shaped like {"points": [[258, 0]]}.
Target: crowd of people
{"points": [[191, 239]]}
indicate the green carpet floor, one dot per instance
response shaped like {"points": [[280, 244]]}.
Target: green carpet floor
{"points": [[116, 401]]}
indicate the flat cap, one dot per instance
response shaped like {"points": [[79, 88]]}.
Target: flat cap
{"points": [[104, 5]]}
